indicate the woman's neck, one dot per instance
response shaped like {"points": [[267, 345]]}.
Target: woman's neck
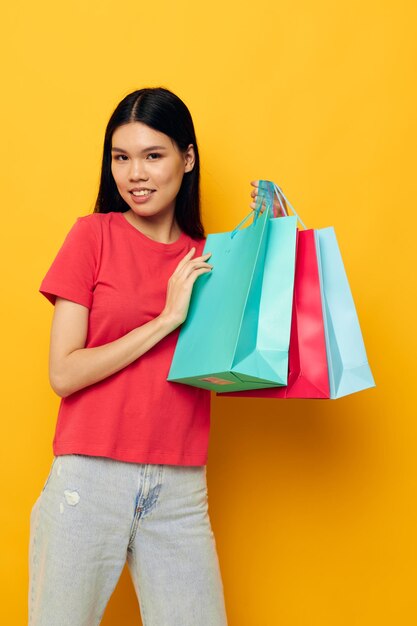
{"points": [[164, 230]]}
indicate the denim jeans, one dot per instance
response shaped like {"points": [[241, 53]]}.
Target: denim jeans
{"points": [[93, 513]]}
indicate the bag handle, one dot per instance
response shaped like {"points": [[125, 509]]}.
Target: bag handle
{"points": [[267, 190], [280, 193], [266, 186]]}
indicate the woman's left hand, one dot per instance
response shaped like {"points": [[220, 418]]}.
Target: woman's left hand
{"points": [[277, 207]]}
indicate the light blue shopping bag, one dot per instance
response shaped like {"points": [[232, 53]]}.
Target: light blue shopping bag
{"points": [[236, 335], [347, 361], [348, 365]]}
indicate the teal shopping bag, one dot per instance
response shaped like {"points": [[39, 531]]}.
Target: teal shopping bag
{"points": [[236, 335], [348, 365]]}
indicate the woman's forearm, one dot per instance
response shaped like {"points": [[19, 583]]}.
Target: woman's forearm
{"points": [[87, 366]]}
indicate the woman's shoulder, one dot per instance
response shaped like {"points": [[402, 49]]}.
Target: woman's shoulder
{"points": [[89, 227], [95, 218], [197, 243], [94, 221]]}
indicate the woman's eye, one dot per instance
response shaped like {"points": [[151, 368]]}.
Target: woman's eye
{"points": [[124, 157]]}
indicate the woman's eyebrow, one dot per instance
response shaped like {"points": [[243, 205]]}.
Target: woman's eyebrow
{"points": [[114, 149]]}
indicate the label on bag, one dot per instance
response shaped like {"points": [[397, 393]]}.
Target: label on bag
{"points": [[217, 381]]}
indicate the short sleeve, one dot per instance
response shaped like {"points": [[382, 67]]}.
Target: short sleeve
{"points": [[73, 271]]}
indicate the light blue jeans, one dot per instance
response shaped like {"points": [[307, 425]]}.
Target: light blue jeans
{"points": [[93, 514]]}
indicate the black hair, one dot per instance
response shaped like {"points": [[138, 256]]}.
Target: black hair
{"points": [[165, 112]]}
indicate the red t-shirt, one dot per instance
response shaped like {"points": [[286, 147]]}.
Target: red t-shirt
{"points": [[134, 415]]}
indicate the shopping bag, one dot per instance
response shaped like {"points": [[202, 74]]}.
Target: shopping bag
{"points": [[348, 366], [307, 373], [236, 335], [323, 302]]}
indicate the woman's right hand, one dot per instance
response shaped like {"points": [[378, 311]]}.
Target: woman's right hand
{"points": [[180, 286]]}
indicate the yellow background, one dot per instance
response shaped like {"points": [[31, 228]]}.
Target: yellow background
{"points": [[313, 504]]}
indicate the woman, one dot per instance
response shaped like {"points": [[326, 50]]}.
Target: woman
{"points": [[128, 479]]}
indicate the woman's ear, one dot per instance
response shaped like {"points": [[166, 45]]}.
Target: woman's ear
{"points": [[189, 158]]}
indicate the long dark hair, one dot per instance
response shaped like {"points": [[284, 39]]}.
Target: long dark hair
{"points": [[165, 112]]}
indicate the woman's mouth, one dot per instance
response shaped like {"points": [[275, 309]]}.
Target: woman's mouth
{"points": [[139, 197]]}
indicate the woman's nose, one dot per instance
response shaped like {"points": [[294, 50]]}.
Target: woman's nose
{"points": [[137, 170]]}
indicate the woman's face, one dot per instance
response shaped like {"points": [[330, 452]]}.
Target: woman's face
{"points": [[145, 158]]}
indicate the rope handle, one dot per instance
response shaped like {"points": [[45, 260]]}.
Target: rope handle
{"points": [[264, 186], [280, 193], [267, 190]]}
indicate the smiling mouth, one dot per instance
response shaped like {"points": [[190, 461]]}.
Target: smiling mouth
{"points": [[139, 194]]}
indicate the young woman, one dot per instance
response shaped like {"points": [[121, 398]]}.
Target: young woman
{"points": [[128, 478]]}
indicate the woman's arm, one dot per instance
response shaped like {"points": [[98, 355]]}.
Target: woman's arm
{"points": [[73, 367]]}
